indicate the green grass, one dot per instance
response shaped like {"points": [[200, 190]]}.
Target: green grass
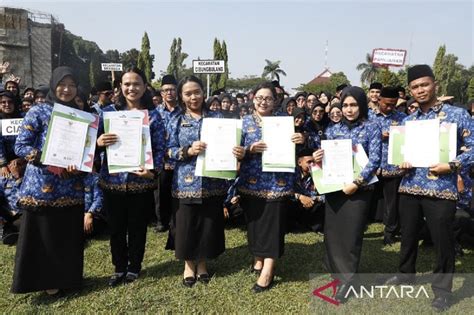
{"points": [[158, 289]]}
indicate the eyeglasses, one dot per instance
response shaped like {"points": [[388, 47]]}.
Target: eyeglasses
{"points": [[171, 90], [267, 99], [6, 102], [107, 93]]}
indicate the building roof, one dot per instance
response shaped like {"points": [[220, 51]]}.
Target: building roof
{"points": [[323, 77]]}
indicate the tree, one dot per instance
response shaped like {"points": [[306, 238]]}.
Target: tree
{"points": [[388, 78], [453, 78], [145, 60], [176, 67], [112, 56], [94, 69], [335, 79], [244, 84], [129, 58], [438, 65], [272, 70], [369, 70], [470, 89], [224, 76], [215, 78]]}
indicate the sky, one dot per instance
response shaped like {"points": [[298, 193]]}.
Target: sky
{"points": [[294, 32]]}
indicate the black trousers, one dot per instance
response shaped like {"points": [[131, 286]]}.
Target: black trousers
{"points": [[345, 220], [127, 219], [163, 198], [391, 200], [439, 215]]}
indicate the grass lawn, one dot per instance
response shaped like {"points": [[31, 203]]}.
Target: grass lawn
{"points": [[159, 289]]}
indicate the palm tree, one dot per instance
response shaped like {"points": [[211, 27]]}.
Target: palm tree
{"points": [[273, 70], [369, 70]]}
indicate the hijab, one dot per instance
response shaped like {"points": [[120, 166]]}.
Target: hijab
{"points": [[361, 98], [59, 74]]}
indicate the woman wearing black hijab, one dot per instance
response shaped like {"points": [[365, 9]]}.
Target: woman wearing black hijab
{"points": [[347, 210], [50, 249], [316, 124]]}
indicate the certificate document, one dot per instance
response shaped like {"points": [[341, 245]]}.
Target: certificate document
{"points": [[422, 147], [337, 161], [220, 135], [396, 145], [127, 151], [276, 133], [65, 141]]}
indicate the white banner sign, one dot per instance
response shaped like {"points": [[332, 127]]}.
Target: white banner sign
{"points": [[389, 57], [11, 127], [111, 66], [208, 66]]}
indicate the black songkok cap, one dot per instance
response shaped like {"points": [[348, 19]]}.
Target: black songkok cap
{"points": [[419, 71], [389, 92], [304, 152], [168, 79], [103, 86], [376, 85], [341, 87]]}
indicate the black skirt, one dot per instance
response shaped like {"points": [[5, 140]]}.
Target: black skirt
{"points": [[266, 225], [199, 233], [50, 250], [345, 220]]}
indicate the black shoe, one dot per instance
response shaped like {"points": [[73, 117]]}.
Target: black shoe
{"points": [[440, 304], [161, 228], [341, 293], [116, 279], [389, 240], [458, 252], [399, 279], [130, 277], [259, 289], [188, 282], [204, 278], [10, 239]]}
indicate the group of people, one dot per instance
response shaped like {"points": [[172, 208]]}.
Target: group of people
{"points": [[59, 205]]}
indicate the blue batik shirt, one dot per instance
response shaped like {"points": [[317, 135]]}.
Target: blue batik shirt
{"points": [[369, 135], [40, 187], [395, 118], [93, 196], [126, 182], [419, 181], [167, 116], [253, 181], [184, 130]]}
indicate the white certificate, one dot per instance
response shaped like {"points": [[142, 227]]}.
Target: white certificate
{"points": [[337, 161], [127, 150], [220, 135], [422, 142], [276, 133], [65, 143]]}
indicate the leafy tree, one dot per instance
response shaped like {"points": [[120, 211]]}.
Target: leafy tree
{"points": [[272, 70], [369, 70], [94, 70], [215, 78], [176, 66], [224, 76], [244, 84], [129, 58], [453, 78], [470, 89], [112, 56], [145, 60]]}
